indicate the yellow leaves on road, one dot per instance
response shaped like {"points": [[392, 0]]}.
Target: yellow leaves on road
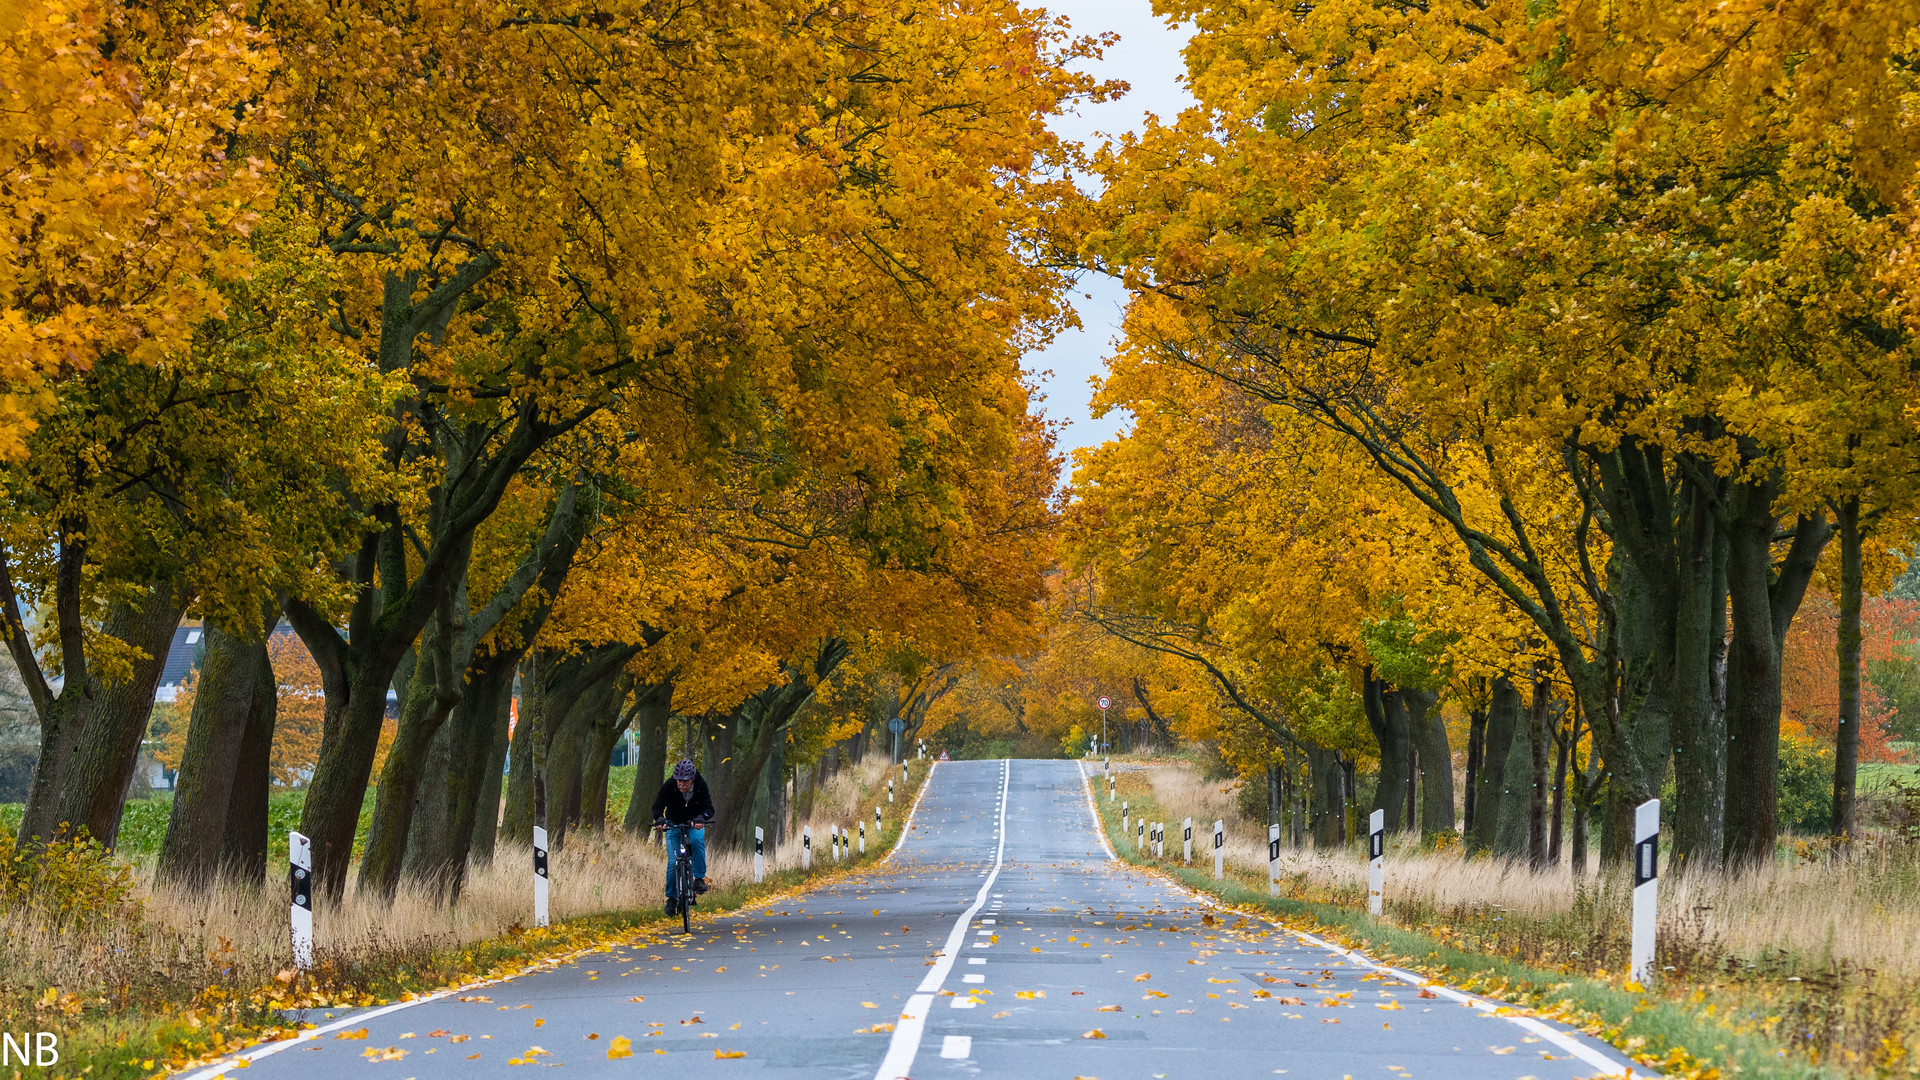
{"points": [[1501, 1049], [620, 1047], [477, 997], [636, 998], [725, 1054], [1153, 994], [1142, 977], [539, 1023], [359, 1034], [1109, 1008], [877, 1029], [529, 1058], [438, 1033], [458, 1038], [1029, 994], [1390, 1006], [868, 1005], [1095, 1033], [389, 1053]]}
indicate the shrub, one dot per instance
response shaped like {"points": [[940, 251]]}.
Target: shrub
{"points": [[67, 881]]}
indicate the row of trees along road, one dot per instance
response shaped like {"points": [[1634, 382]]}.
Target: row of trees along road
{"points": [[1539, 358], [658, 359]]}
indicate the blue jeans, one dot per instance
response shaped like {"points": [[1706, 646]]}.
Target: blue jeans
{"points": [[695, 837]]}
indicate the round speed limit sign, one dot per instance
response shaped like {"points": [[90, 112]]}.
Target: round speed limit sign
{"points": [[1104, 702]]}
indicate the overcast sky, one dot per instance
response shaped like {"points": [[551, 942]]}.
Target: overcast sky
{"points": [[1148, 59]]}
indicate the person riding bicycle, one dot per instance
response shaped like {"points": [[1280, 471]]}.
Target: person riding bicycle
{"points": [[684, 807]]}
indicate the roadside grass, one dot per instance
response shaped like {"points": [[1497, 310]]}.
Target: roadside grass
{"points": [[141, 982], [1808, 973]]}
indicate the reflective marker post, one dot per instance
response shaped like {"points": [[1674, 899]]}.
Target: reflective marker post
{"points": [[759, 854], [540, 876], [863, 837], [1219, 850], [833, 841], [806, 847], [1186, 850], [1109, 787], [1140, 838], [300, 876], [1273, 860], [1376, 859], [889, 789], [876, 824], [1646, 883], [1125, 824]]}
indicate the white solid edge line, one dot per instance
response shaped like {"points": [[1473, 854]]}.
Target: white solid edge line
{"points": [[1561, 1039], [905, 1045], [907, 825]]}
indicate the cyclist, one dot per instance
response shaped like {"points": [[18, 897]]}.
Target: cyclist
{"points": [[685, 806]]}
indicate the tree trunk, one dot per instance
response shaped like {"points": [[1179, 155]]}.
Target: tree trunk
{"points": [[486, 823], [1537, 736], [434, 689], [94, 790], [1516, 788], [651, 721], [1503, 720], [1697, 723], [1561, 745], [1476, 750], [1387, 716], [243, 844], [518, 826], [609, 721], [1846, 739], [223, 702], [1329, 810], [1436, 762], [1763, 600]]}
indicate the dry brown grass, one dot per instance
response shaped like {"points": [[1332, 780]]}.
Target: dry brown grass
{"points": [[1863, 912]]}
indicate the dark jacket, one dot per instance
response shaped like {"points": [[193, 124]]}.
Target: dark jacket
{"points": [[678, 809]]}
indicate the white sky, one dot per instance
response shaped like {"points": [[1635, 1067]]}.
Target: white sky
{"points": [[1148, 59]]}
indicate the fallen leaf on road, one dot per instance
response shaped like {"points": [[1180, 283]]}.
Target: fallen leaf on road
{"points": [[539, 1023], [390, 1053], [1108, 1008], [1428, 994], [1389, 1005], [1331, 1020], [692, 1020], [473, 1057], [632, 999], [877, 1029], [620, 1047], [1030, 994], [1001, 1015], [1152, 994], [868, 1005], [1096, 1033], [476, 997], [361, 1034], [1501, 1049], [1142, 977], [724, 1054], [438, 1033], [459, 1038], [1212, 980]]}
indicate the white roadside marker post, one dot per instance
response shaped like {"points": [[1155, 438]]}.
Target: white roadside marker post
{"points": [[1140, 838], [863, 836], [759, 854], [806, 847], [1219, 850], [1126, 824], [1646, 884], [1186, 840], [876, 824], [889, 788], [539, 876], [1376, 859], [1109, 787], [300, 876], [833, 841], [1160, 839], [1273, 860]]}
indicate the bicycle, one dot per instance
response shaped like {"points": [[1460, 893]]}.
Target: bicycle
{"points": [[684, 894]]}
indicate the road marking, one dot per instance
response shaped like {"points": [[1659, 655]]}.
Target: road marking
{"points": [[957, 1046], [1563, 1040], [906, 1035], [906, 827]]}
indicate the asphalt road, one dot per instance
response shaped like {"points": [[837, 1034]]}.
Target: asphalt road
{"points": [[1000, 940]]}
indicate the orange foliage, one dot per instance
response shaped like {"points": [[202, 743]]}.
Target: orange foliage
{"points": [[1809, 671]]}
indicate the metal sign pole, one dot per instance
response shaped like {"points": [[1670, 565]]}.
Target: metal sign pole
{"points": [[1376, 859], [1646, 885], [300, 876]]}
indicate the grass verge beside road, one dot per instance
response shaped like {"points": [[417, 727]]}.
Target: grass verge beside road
{"points": [[1704, 1019]]}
